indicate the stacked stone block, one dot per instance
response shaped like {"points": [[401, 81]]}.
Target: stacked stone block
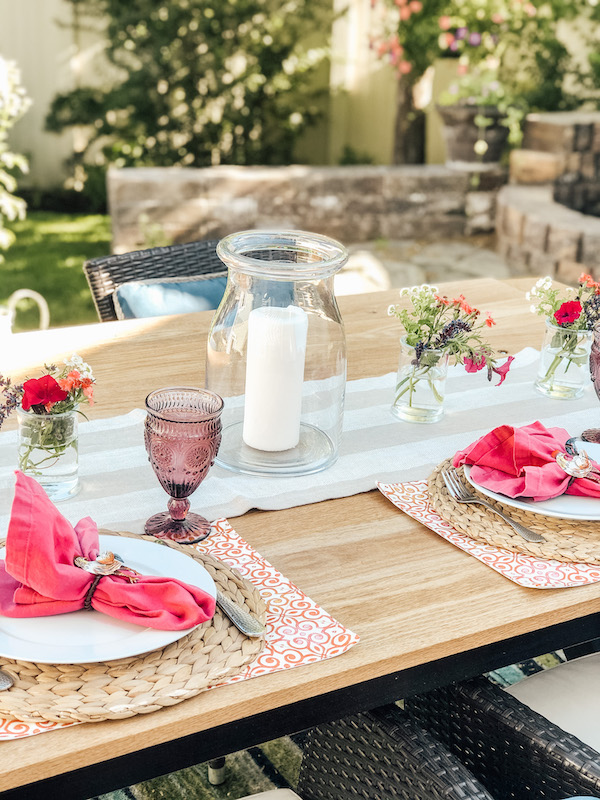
{"points": [[349, 203], [542, 223]]}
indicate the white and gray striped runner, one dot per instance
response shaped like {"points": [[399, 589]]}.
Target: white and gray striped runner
{"points": [[120, 490]]}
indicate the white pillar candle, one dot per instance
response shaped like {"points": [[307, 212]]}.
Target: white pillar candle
{"points": [[274, 377]]}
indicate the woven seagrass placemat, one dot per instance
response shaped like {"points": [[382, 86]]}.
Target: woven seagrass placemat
{"points": [[566, 540], [123, 688]]}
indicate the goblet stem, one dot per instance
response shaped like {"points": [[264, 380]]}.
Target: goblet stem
{"points": [[178, 507]]}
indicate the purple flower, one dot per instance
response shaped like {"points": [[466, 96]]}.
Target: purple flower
{"points": [[474, 39], [461, 32]]}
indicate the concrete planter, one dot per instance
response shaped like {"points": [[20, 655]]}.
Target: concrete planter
{"points": [[461, 133]]}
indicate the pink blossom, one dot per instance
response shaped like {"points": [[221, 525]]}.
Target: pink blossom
{"points": [[502, 371], [476, 363]]}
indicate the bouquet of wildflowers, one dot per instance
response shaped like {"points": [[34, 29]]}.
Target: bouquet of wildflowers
{"points": [[47, 427], [437, 326], [575, 309], [570, 313]]}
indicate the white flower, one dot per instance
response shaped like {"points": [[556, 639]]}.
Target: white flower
{"points": [[533, 309], [528, 295], [77, 363]]}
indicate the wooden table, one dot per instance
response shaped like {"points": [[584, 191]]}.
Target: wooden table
{"points": [[426, 612]]}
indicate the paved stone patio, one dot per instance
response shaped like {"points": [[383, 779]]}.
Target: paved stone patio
{"points": [[385, 264]]}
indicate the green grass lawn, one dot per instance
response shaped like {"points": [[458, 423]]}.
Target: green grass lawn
{"points": [[48, 256]]}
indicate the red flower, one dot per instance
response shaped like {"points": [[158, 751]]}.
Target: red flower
{"points": [[43, 391], [568, 312], [503, 370], [489, 321]]}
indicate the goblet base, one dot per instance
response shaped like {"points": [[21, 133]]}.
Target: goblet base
{"points": [[194, 528]]}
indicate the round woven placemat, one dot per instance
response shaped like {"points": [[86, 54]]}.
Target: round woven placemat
{"points": [[566, 540], [210, 653]]}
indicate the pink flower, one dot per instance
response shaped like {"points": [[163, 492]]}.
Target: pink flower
{"points": [[476, 363], [88, 392], [416, 6], [568, 312], [445, 23], [404, 67], [503, 370]]}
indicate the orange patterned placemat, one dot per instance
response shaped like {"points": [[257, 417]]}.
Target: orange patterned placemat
{"points": [[298, 630]]}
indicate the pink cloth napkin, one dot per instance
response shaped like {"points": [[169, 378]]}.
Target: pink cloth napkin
{"points": [[38, 577], [519, 462]]}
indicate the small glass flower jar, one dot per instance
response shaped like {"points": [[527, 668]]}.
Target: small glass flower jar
{"points": [[420, 385], [276, 353], [48, 450], [564, 370]]}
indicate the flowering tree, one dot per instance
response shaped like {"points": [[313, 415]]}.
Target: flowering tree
{"points": [[504, 47], [13, 104], [202, 82]]}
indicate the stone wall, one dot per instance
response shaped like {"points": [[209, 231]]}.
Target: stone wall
{"points": [[535, 233], [350, 203], [538, 236]]}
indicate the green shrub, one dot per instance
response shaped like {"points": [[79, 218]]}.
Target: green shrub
{"points": [[204, 82], [13, 104]]}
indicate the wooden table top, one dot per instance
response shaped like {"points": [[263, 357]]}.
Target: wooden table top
{"points": [[411, 596]]}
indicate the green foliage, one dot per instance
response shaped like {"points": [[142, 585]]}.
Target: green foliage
{"points": [[13, 104], [203, 82], [509, 51], [47, 257], [350, 156]]}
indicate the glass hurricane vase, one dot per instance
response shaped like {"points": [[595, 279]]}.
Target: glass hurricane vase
{"points": [[563, 371], [420, 385], [276, 353], [48, 450]]}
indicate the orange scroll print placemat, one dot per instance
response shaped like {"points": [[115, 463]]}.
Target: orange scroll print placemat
{"points": [[298, 631], [534, 573]]}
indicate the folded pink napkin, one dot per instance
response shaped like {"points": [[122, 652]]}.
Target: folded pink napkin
{"points": [[520, 462], [38, 577]]}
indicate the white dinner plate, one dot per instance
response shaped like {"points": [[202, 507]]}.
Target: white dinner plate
{"points": [[81, 637], [567, 506]]}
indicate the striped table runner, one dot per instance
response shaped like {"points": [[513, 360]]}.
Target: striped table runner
{"points": [[119, 489]]}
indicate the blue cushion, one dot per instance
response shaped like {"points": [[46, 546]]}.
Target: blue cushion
{"points": [[168, 296]]}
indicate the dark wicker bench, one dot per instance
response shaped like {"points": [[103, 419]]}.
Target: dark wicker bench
{"points": [[382, 755], [105, 274], [514, 751]]}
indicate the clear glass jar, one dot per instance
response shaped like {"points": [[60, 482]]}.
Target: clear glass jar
{"points": [[564, 369], [420, 388], [49, 451], [276, 353]]}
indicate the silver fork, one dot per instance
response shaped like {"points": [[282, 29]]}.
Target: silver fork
{"points": [[462, 495]]}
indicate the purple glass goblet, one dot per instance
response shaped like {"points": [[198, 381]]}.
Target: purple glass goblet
{"points": [[182, 434]]}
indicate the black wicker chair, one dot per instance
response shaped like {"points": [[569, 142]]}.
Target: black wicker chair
{"points": [[382, 755], [105, 274], [514, 751]]}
